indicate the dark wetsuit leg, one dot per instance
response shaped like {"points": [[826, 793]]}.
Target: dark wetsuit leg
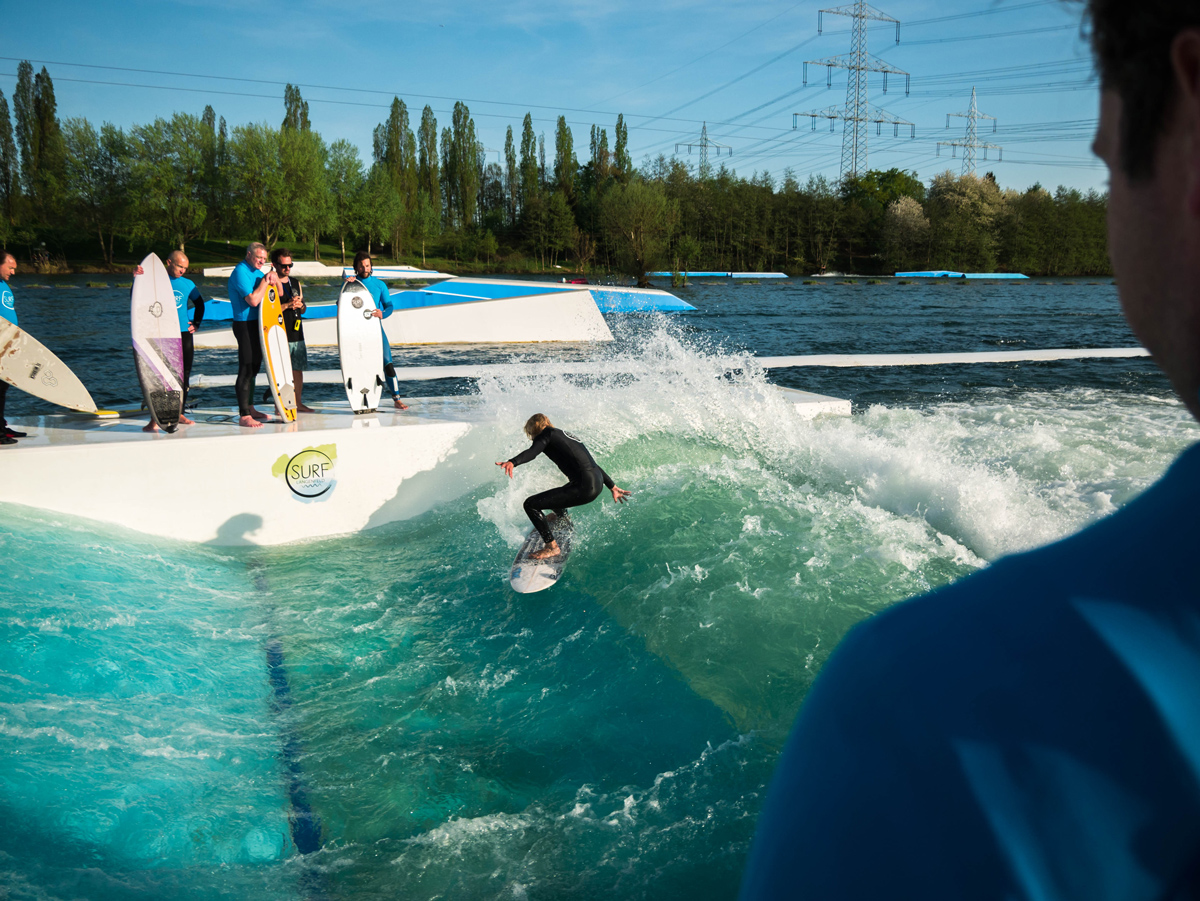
{"points": [[3, 394], [249, 363], [573, 494], [189, 353]]}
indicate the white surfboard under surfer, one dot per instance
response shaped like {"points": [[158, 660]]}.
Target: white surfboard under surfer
{"points": [[585, 478]]}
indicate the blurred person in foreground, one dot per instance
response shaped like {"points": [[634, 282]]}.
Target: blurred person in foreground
{"points": [[1033, 731]]}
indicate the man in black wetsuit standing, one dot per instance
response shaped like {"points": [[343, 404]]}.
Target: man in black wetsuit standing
{"points": [[584, 478]]}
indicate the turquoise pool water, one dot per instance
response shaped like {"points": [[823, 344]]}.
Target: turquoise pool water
{"points": [[380, 716]]}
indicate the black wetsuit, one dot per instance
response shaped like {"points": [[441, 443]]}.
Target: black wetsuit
{"points": [[584, 475]]}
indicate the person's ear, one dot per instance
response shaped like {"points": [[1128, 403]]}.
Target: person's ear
{"points": [[1185, 65]]}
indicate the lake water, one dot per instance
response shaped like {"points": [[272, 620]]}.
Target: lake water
{"points": [[185, 721]]}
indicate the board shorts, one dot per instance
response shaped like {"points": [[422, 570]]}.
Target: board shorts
{"points": [[299, 353]]}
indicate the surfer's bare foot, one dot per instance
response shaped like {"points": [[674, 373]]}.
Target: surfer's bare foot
{"points": [[550, 550], [151, 426], [301, 408], [400, 405], [250, 422], [183, 420], [260, 416]]}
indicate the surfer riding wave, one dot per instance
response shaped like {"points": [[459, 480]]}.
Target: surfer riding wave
{"points": [[585, 478]]}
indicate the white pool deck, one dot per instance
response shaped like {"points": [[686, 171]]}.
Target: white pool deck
{"points": [[215, 482]]}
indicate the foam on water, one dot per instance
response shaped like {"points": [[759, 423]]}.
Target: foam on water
{"points": [[166, 708]]}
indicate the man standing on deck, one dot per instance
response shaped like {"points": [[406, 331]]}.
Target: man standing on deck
{"points": [[247, 288], [8, 309], [383, 309], [1033, 731], [292, 298]]}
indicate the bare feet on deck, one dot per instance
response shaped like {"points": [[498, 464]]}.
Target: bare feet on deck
{"points": [[301, 408], [250, 422], [400, 405], [550, 550], [183, 420], [151, 426], [261, 417]]}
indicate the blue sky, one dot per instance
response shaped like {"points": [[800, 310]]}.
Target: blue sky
{"points": [[668, 66]]}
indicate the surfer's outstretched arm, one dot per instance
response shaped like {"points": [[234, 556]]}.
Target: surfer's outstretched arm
{"points": [[507, 466], [619, 494]]}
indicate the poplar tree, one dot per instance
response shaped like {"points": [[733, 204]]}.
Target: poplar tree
{"points": [[428, 175], [462, 172], [565, 163], [529, 169], [395, 149], [40, 141], [622, 164], [23, 111], [10, 186], [512, 178], [295, 110]]}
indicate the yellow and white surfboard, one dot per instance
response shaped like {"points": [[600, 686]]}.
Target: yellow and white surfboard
{"points": [[276, 356]]}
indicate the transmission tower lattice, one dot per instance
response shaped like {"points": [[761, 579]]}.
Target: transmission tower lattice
{"points": [[857, 112], [972, 142], [704, 143]]}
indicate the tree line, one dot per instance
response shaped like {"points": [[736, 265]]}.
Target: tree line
{"points": [[430, 192]]}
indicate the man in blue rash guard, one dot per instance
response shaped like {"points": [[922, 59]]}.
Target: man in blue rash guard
{"points": [[8, 310], [584, 478], [1033, 731], [186, 293], [247, 288], [383, 309]]}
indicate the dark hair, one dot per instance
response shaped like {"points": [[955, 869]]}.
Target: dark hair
{"points": [[360, 256], [278, 254], [1132, 43]]}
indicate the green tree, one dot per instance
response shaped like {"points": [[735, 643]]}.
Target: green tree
{"points": [[168, 168], [378, 206], [639, 220], [962, 212], [98, 174], [560, 227], [427, 222], [906, 234], [344, 178], [303, 156], [257, 183]]}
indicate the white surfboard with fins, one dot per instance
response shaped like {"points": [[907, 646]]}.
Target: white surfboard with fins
{"points": [[157, 343], [25, 363], [530, 575], [360, 347]]}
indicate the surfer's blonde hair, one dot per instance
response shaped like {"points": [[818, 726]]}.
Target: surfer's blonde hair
{"points": [[536, 423]]}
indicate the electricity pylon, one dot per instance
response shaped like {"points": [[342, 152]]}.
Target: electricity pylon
{"points": [[705, 170], [857, 112], [972, 142]]}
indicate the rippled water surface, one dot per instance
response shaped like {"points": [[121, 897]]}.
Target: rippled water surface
{"points": [[186, 721]]}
